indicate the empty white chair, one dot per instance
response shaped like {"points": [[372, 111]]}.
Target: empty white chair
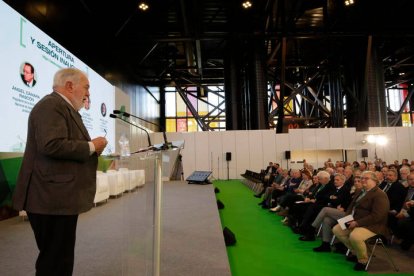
{"points": [[140, 177], [116, 183], [102, 188]]}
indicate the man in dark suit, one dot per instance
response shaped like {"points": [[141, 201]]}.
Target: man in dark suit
{"points": [[369, 208], [57, 180], [28, 75], [396, 193]]}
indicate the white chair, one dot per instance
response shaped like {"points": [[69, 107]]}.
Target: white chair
{"points": [[133, 179], [126, 178], [140, 177], [116, 183], [102, 188]]}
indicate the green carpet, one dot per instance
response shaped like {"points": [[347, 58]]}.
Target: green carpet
{"points": [[264, 245]]}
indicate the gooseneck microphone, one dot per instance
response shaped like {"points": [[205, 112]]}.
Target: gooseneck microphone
{"points": [[127, 115], [128, 122]]}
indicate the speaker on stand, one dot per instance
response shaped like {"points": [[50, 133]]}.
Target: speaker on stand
{"points": [[228, 159], [364, 153], [287, 157]]}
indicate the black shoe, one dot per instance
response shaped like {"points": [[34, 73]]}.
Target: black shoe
{"points": [[324, 247], [359, 266], [258, 196], [340, 248], [307, 238], [352, 258]]}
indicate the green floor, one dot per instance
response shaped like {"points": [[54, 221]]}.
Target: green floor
{"points": [[264, 246]]}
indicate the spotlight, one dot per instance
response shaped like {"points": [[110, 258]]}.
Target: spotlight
{"points": [[143, 6], [247, 4]]}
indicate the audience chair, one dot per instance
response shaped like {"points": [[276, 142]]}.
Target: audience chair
{"points": [[375, 240]]}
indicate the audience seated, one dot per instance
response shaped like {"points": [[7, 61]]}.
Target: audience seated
{"points": [[333, 197], [328, 217]]}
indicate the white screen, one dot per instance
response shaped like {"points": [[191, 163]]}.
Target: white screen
{"points": [[21, 42]]}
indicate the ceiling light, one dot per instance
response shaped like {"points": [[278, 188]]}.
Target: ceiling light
{"points": [[247, 4], [349, 2], [143, 6]]}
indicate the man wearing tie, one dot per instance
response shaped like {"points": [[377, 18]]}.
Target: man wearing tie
{"points": [[396, 193], [57, 180], [28, 75]]}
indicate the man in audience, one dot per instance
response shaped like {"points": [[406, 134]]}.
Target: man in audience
{"points": [[404, 172], [338, 196], [396, 193], [328, 217], [393, 220], [405, 228], [369, 209]]}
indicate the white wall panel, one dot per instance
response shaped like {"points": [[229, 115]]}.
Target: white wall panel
{"points": [[269, 147], [309, 139], [402, 135], [243, 152], [282, 145], [295, 139], [322, 139], [201, 150], [215, 152], [335, 138], [256, 150], [189, 154], [411, 130], [228, 139], [390, 149], [349, 138]]}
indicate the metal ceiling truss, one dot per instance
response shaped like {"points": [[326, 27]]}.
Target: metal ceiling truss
{"points": [[204, 121]]}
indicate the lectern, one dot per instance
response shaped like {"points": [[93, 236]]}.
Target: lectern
{"points": [[157, 156]]}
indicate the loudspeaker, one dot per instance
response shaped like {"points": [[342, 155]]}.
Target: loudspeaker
{"points": [[287, 154], [228, 156], [229, 237], [364, 153], [220, 205], [199, 177]]}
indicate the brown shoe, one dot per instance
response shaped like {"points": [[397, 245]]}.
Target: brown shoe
{"points": [[283, 213]]}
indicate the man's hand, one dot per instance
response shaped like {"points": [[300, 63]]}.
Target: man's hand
{"points": [[100, 144]]}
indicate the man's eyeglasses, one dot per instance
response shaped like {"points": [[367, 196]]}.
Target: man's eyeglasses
{"points": [[365, 178]]}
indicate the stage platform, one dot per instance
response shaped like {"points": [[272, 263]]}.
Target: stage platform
{"points": [[114, 238]]}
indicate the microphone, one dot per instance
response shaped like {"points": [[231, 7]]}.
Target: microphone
{"points": [[126, 114], [166, 145], [148, 136]]}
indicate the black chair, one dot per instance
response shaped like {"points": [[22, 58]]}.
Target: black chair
{"points": [[375, 240]]}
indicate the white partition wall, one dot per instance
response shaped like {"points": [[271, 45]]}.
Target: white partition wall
{"points": [[189, 154], [269, 147], [201, 151], [242, 151], [256, 150], [215, 153], [282, 145], [253, 149], [228, 140]]}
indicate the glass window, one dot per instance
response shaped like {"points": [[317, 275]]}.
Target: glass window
{"points": [[170, 104], [181, 107], [192, 125], [181, 125], [170, 125]]}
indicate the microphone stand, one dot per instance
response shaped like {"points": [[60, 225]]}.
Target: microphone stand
{"points": [[166, 145], [128, 122]]}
